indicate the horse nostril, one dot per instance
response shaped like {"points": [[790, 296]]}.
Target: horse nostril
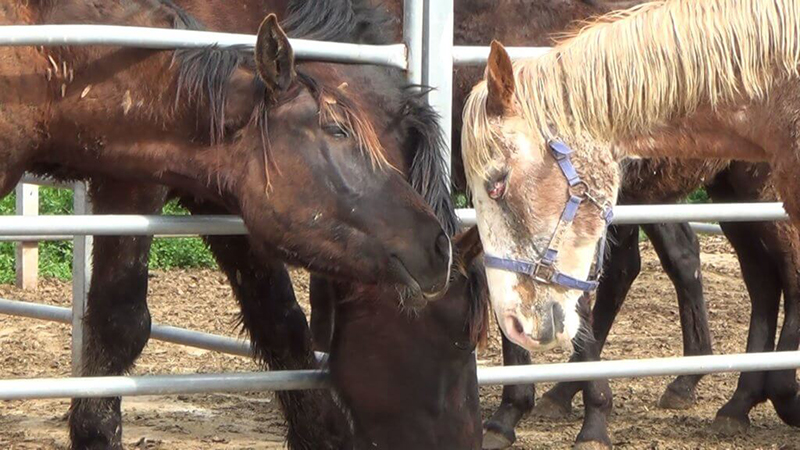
{"points": [[518, 328], [558, 318]]}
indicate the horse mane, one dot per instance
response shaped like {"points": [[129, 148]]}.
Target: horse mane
{"points": [[630, 70], [353, 21], [478, 316], [428, 173]]}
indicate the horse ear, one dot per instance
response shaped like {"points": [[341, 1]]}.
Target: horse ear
{"points": [[499, 81], [468, 244], [274, 55]]}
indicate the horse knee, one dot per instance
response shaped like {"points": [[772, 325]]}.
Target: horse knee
{"points": [[116, 336]]}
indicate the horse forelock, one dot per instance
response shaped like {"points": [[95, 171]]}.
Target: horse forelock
{"points": [[628, 71]]}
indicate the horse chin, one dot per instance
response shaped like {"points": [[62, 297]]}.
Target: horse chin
{"points": [[411, 299]]}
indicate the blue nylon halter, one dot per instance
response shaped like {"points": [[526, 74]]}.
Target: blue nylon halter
{"points": [[544, 270]]}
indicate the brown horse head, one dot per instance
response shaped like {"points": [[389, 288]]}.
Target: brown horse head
{"points": [[335, 202], [409, 381]]}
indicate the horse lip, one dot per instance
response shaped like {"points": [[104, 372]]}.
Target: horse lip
{"points": [[413, 284]]}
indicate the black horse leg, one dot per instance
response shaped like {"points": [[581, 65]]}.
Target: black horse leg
{"points": [[621, 269], [280, 336], [597, 399], [679, 252], [781, 385], [516, 402], [117, 321], [322, 296], [763, 285]]}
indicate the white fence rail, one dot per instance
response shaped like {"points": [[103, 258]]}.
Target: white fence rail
{"points": [[164, 38], [39, 388]]}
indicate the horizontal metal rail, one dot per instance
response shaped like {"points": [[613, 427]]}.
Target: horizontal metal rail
{"points": [[114, 225], [702, 228], [119, 225], [464, 55], [163, 38], [39, 388], [705, 212], [164, 333]]}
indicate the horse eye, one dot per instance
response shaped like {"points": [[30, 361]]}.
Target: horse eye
{"points": [[496, 185], [336, 131]]}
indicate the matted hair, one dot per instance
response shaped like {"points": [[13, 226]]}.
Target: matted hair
{"points": [[627, 71]]}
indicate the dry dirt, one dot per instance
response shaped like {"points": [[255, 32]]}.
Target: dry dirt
{"points": [[647, 327]]}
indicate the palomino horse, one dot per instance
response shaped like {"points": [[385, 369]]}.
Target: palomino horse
{"points": [[545, 122], [765, 283], [409, 381], [117, 321]]}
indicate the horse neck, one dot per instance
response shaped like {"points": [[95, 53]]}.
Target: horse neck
{"points": [[375, 344], [617, 80], [103, 101]]}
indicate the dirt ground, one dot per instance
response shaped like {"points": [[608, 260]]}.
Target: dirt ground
{"points": [[648, 327]]}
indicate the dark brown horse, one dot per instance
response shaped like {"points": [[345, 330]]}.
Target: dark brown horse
{"points": [[768, 269], [409, 381], [224, 126], [117, 322]]}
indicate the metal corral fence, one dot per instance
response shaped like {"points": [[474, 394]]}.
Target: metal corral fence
{"points": [[428, 56]]}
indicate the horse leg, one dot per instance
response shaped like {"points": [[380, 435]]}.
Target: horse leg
{"points": [[117, 321], [279, 334], [620, 270], [679, 252], [322, 295], [765, 293], [597, 397], [781, 386], [516, 402]]}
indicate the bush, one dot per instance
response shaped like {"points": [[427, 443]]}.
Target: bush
{"points": [[55, 258]]}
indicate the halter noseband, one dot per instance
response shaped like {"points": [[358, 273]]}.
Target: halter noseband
{"points": [[543, 269]]}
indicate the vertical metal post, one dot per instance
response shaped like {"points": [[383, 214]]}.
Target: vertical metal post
{"points": [[413, 27], [438, 65], [81, 277], [27, 252]]}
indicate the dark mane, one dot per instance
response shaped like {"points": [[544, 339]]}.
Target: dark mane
{"points": [[478, 317], [428, 173], [352, 21]]}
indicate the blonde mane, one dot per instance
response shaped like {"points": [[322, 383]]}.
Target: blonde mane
{"points": [[628, 71]]}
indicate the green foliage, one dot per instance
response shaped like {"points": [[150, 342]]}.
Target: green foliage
{"points": [[698, 196], [55, 258]]}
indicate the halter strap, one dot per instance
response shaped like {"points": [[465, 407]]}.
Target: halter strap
{"points": [[543, 270]]}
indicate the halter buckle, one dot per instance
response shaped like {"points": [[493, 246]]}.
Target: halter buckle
{"points": [[543, 272], [580, 190]]}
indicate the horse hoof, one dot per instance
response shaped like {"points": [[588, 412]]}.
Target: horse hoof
{"points": [[549, 409], [729, 426], [591, 445], [495, 440], [671, 400]]}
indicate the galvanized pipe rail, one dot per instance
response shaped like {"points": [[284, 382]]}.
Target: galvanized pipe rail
{"points": [[164, 333], [113, 225], [40, 388], [393, 55]]}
